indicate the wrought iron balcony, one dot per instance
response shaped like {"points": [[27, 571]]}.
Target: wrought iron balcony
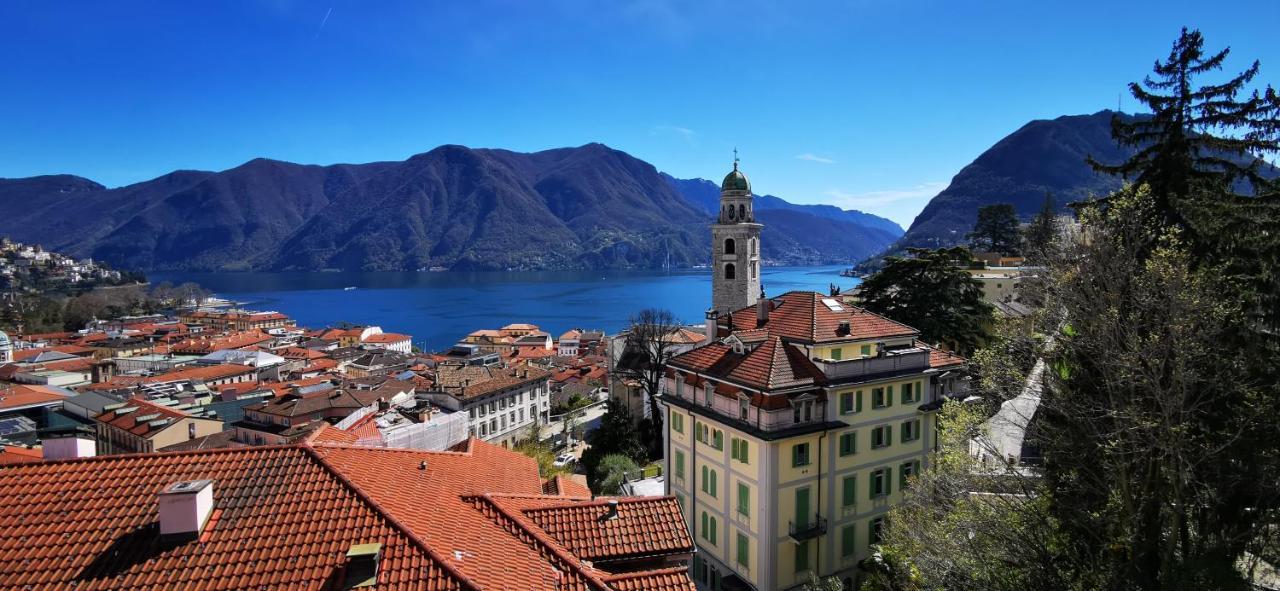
{"points": [[808, 529]]}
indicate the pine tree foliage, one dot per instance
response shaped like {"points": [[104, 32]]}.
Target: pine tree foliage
{"points": [[932, 292], [996, 230], [1039, 234], [1198, 133]]}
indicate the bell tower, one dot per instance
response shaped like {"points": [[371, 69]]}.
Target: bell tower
{"points": [[735, 246]]}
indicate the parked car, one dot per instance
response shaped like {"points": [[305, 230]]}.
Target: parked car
{"points": [[563, 460]]}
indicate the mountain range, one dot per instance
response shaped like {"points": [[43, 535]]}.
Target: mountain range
{"points": [[453, 207], [1043, 156]]}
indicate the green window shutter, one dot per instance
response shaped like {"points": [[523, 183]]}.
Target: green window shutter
{"points": [[871, 484], [888, 481], [902, 477], [711, 484], [849, 490], [733, 448], [903, 433], [744, 499], [802, 556], [704, 525], [846, 402], [715, 540], [742, 451], [858, 407], [704, 479], [679, 464], [743, 549], [866, 350], [906, 393], [871, 532], [847, 540], [888, 396], [836, 354]]}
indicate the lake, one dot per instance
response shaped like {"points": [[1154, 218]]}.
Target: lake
{"points": [[438, 309]]}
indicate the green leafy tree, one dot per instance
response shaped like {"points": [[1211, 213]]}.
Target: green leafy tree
{"points": [[932, 292], [611, 473], [814, 583], [616, 435], [996, 230], [1158, 438]]}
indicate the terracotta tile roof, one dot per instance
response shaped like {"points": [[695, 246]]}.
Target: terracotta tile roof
{"points": [[14, 396], [141, 417], [565, 486], [236, 340], [469, 381], [387, 337], [19, 454], [939, 358], [667, 579], [643, 527], [206, 373], [281, 519], [802, 316], [772, 365]]}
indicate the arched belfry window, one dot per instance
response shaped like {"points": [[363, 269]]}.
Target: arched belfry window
{"points": [[730, 247], [729, 271], [742, 212], [753, 246], [730, 212]]}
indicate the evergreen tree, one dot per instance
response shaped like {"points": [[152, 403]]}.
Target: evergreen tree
{"points": [[996, 229], [616, 435], [932, 292], [611, 473], [1198, 135], [1041, 231]]}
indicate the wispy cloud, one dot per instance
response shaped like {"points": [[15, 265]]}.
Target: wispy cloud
{"points": [[886, 196], [684, 134], [815, 158], [323, 21]]}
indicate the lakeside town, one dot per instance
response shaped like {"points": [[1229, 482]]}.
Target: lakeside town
{"points": [[771, 375], [1063, 375]]}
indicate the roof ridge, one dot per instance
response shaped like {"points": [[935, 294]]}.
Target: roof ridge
{"points": [[549, 543], [464, 581], [178, 452], [647, 573]]}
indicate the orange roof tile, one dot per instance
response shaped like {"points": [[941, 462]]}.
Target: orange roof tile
{"points": [[802, 316], [18, 454]]}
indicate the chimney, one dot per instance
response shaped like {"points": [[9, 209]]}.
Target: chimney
{"points": [[185, 507], [66, 446], [362, 565], [612, 513], [712, 320], [763, 305]]}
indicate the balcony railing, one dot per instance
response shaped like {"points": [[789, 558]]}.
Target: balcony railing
{"points": [[892, 361], [808, 529]]}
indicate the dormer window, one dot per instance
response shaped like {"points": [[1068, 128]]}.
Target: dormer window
{"points": [[802, 410], [743, 404]]}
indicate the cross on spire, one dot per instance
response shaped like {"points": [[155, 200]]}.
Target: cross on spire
{"points": [[735, 158]]}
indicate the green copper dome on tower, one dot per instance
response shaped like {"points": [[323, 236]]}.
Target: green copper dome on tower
{"points": [[735, 181]]}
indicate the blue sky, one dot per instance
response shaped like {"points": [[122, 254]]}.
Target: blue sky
{"points": [[872, 105]]}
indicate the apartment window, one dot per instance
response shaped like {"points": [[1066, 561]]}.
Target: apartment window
{"points": [[848, 490], [848, 541], [744, 499], [910, 394], [744, 549], [709, 482], [906, 471], [738, 450], [802, 556], [799, 455], [802, 410], [850, 402], [504, 422], [679, 465], [880, 485], [881, 437], [677, 422], [876, 531], [848, 443], [484, 430], [709, 528], [911, 430], [866, 351], [717, 439], [881, 397], [472, 413], [482, 410], [701, 431], [493, 425], [743, 404], [522, 415], [837, 353]]}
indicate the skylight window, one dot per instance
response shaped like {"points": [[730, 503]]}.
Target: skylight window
{"points": [[832, 305]]}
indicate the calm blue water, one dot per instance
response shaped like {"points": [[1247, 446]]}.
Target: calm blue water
{"points": [[438, 309]]}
